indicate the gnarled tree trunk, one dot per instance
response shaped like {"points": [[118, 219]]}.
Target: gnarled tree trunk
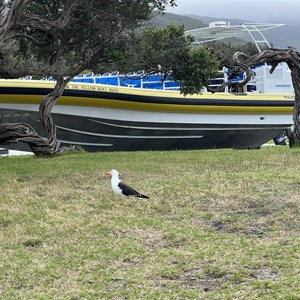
{"points": [[22, 132]]}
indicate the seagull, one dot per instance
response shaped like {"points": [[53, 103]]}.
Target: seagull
{"points": [[121, 188]]}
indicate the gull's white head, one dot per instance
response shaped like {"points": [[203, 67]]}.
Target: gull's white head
{"points": [[112, 173]]}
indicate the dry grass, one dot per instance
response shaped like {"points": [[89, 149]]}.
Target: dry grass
{"points": [[220, 224]]}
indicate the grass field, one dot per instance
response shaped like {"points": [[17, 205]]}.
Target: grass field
{"points": [[219, 224]]}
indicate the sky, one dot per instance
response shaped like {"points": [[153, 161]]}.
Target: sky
{"points": [[270, 11]]}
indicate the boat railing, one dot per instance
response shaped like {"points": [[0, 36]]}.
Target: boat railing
{"points": [[140, 79], [132, 79]]}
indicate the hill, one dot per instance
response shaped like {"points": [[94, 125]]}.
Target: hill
{"points": [[167, 18]]}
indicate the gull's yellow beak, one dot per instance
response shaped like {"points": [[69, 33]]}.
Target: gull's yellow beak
{"points": [[108, 173]]}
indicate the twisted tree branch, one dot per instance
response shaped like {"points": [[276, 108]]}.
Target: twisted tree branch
{"points": [[22, 132], [274, 57]]}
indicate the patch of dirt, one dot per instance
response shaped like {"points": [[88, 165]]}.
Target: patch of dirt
{"points": [[192, 279], [258, 229], [264, 272], [154, 239], [294, 184], [214, 224]]}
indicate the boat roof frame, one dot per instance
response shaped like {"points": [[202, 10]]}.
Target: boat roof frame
{"points": [[215, 33]]}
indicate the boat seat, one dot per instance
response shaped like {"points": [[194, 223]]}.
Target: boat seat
{"points": [[130, 85], [91, 74]]}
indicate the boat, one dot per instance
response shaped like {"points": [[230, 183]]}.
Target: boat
{"points": [[135, 112]]}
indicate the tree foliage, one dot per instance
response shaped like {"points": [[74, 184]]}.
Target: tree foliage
{"points": [[169, 51], [63, 37]]}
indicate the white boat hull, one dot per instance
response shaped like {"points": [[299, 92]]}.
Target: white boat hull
{"points": [[100, 119]]}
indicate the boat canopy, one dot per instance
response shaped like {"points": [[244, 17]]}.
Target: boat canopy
{"points": [[221, 30]]}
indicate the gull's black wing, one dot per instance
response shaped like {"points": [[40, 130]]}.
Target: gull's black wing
{"points": [[129, 191]]}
